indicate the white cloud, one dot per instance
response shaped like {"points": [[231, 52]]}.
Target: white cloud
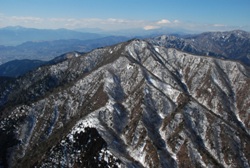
{"points": [[25, 19], [219, 25], [150, 27], [109, 23], [164, 21], [176, 21], [112, 20]]}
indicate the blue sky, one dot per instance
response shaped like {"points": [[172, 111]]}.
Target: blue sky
{"points": [[124, 14]]}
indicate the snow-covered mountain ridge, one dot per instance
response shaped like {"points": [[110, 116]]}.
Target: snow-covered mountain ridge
{"points": [[234, 45], [135, 104]]}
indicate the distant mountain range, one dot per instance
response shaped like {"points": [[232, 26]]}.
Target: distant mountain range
{"points": [[17, 35], [47, 50], [234, 45], [16, 68]]}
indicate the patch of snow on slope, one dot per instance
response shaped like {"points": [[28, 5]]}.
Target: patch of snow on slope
{"points": [[90, 121], [139, 154], [157, 49], [167, 89], [76, 55]]}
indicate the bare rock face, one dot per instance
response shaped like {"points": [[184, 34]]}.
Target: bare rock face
{"points": [[135, 104]]}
